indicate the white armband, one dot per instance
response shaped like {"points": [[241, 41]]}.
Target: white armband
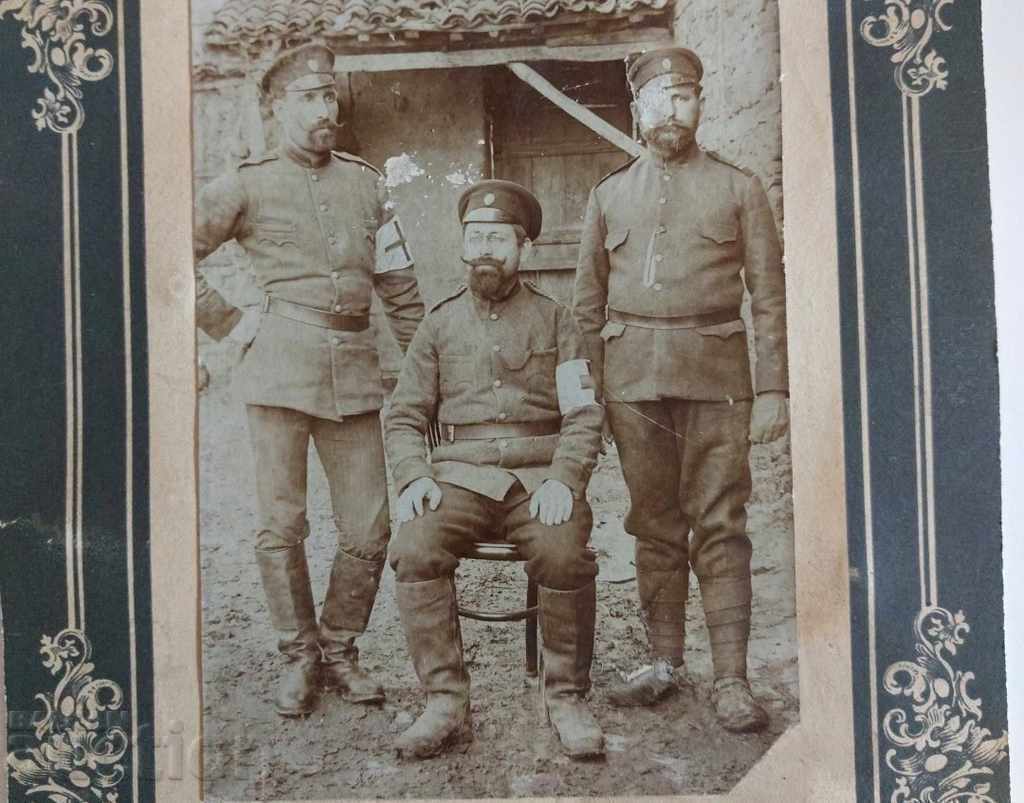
{"points": [[575, 385], [392, 250]]}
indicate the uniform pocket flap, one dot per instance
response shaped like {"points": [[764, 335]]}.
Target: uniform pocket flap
{"points": [[720, 230], [612, 329], [615, 238], [513, 358], [723, 330]]}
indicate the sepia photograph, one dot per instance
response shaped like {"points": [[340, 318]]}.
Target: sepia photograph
{"points": [[495, 489], [506, 399]]}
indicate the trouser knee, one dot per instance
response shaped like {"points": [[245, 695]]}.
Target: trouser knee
{"points": [[273, 539], [417, 552]]}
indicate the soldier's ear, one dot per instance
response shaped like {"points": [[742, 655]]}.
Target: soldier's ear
{"points": [[525, 249]]}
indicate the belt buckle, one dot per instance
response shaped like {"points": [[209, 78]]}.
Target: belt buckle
{"points": [[449, 430], [266, 303]]}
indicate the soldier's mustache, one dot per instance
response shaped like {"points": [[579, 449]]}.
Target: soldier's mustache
{"points": [[480, 261]]}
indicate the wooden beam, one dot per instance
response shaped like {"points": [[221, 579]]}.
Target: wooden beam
{"points": [[596, 124], [489, 57]]}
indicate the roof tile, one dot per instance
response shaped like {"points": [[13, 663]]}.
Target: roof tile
{"points": [[245, 22]]}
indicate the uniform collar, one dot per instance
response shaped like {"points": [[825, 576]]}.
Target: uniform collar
{"points": [[304, 158]]}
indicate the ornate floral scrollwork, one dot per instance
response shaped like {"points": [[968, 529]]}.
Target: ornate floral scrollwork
{"points": [[943, 755], [55, 31], [77, 761], [907, 26]]}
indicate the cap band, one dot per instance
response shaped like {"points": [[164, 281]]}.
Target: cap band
{"points": [[488, 214], [310, 81]]}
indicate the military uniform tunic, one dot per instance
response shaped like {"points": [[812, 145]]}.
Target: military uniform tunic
{"points": [[667, 250], [474, 361], [478, 362], [669, 240], [310, 231]]}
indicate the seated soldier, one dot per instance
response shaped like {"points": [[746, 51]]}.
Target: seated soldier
{"points": [[500, 369]]}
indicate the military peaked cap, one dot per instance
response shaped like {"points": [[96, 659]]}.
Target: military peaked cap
{"points": [[678, 61], [300, 69], [496, 201]]}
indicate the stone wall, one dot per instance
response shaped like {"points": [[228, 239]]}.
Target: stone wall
{"points": [[738, 41]]}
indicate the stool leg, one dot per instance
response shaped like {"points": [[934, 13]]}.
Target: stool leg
{"points": [[531, 630]]}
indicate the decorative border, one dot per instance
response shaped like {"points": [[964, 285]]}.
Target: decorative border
{"points": [[56, 33], [76, 757], [88, 734], [937, 751]]}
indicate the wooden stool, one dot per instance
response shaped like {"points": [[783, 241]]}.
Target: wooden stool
{"points": [[508, 552]]}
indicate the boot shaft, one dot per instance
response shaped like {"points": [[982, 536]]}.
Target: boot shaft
{"points": [[351, 592], [430, 619], [285, 577], [567, 634]]}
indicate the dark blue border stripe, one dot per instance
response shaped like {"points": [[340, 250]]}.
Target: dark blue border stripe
{"points": [[964, 371]]}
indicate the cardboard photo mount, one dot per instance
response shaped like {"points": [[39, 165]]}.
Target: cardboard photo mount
{"points": [[891, 366]]}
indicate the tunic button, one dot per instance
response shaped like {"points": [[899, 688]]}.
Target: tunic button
{"points": [[658, 286], [335, 275], [315, 177], [662, 229], [663, 200], [494, 316], [667, 177], [496, 348], [336, 341], [337, 307], [497, 383], [502, 416], [659, 257], [323, 207], [332, 240], [503, 444]]}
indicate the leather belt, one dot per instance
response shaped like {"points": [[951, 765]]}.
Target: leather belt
{"points": [[314, 316], [674, 321], [480, 432]]}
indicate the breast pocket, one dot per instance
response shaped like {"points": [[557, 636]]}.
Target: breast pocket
{"points": [[532, 369], [615, 239], [720, 228], [275, 232], [456, 374]]}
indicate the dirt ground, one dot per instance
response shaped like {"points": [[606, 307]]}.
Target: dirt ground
{"points": [[344, 751]]}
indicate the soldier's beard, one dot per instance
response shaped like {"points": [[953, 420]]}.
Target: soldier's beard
{"points": [[322, 139], [490, 278], [668, 140]]}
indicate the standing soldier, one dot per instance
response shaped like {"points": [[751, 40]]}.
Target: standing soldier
{"points": [[500, 369], [317, 226], [658, 294]]}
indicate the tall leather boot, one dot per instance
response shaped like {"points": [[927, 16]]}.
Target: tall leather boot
{"points": [[567, 635], [430, 619], [285, 576], [663, 594], [727, 613], [351, 592]]}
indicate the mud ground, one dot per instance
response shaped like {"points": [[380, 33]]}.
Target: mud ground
{"points": [[344, 751]]}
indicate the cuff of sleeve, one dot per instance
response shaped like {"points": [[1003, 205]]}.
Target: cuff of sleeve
{"points": [[570, 474], [408, 471]]}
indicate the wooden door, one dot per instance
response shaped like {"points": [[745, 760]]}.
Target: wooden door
{"points": [[538, 145]]}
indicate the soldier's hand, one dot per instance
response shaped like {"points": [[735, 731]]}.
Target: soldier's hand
{"points": [[769, 419], [416, 497], [551, 503]]}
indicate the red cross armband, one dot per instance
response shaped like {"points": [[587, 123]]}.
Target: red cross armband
{"points": [[575, 385], [392, 250]]}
